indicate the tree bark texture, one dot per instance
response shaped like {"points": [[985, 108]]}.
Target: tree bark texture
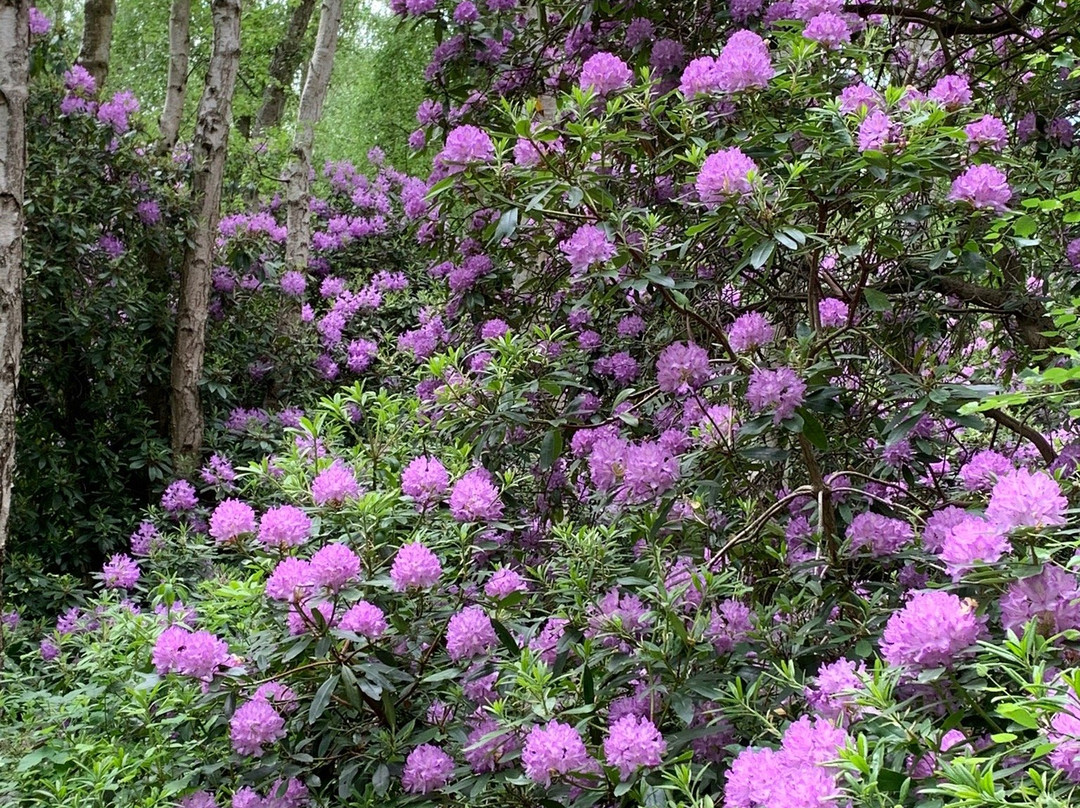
{"points": [[14, 69], [284, 62], [179, 55], [209, 151], [98, 17], [298, 179]]}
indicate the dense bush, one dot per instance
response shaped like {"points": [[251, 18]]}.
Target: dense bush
{"points": [[681, 473]]}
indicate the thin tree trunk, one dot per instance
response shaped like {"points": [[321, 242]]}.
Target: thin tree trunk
{"points": [[98, 17], [298, 189], [14, 68], [210, 147], [179, 51], [284, 60]]}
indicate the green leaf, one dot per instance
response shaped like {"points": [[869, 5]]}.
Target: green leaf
{"points": [[877, 301], [506, 638], [322, 698], [762, 253], [813, 430], [1018, 714], [1025, 226]]}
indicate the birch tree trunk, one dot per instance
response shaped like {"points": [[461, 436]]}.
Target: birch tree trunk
{"points": [[209, 151], [14, 68], [98, 17], [284, 61], [179, 52], [298, 188]]}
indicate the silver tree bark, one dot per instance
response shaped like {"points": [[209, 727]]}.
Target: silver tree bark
{"points": [[284, 60], [179, 53], [98, 17], [210, 147], [298, 188], [14, 68]]}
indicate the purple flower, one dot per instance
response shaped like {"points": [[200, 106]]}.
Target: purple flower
{"points": [[832, 694], [650, 471], [49, 650], [553, 750], [475, 499], [80, 81], [939, 525], [1065, 732], [588, 245], [607, 462], [987, 132], [230, 520], [728, 175], [199, 799], [876, 132], [750, 331], [365, 619], [667, 55], [833, 313], [884, 536], [179, 496], [503, 583], [277, 693], [120, 572], [932, 630], [984, 187], [469, 633], [494, 329], [465, 12], [682, 367], [1051, 598], [334, 485], [951, 91], [633, 742], [284, 526], [984, 469], [730, 624], [116, 110], [1072, 253], [780, 390], [701, 77], [291, 580], [425, 480], [253, 726], [605, 73], [293, 283], [466, 145], [333, 566], [858, 96], [743, 63], [426, 769], [972, 540], [39, 23], [831, 30], [415, 567], [1025, 499]]}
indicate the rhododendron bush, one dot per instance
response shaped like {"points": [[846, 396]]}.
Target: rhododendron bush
{"points": [[707, 458]]}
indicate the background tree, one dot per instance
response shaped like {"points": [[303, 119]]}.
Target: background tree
{"points": [[311, 105], [209, 150], [98, 18], [287, 56], [14, 69], [172, 112]]}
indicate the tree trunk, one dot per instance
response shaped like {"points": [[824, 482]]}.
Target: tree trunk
{"points": [[298, 188], [209, 148], [179, 50], [14, 69], [98, 16], [284, 61]]}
